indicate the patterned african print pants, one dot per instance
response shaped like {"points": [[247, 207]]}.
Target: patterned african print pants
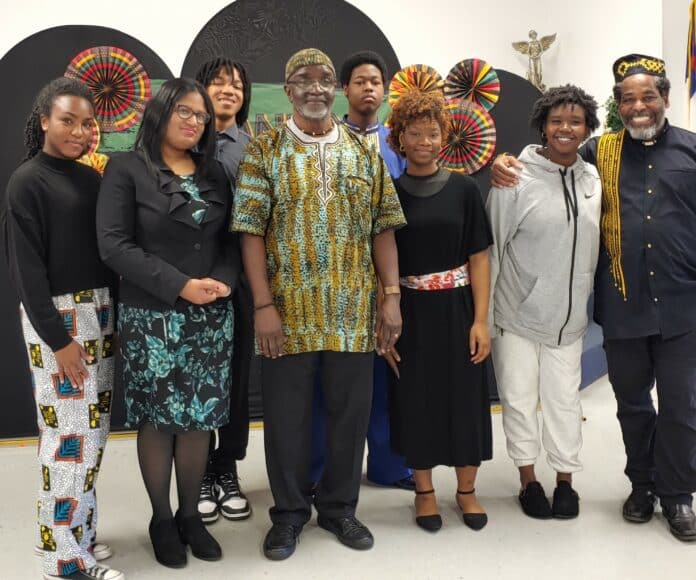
{"points": [[73, 426]]}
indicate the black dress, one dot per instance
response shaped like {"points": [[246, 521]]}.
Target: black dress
{"points": [[440, 408]]}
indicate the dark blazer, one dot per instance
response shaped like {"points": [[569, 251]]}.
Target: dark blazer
{"points": [[147, 235]]}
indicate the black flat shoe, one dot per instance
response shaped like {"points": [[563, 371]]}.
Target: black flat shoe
{"points": [[682, 521], [566, 502], [639, 507], [534, 502], [280, 541], [475, 521], [193, 532], [166, 543], [431, 523]]}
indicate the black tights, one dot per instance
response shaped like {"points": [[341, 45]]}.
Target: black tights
{"points": [[189, 451]]}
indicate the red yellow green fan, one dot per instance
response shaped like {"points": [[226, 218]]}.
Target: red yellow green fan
{"points": [[119, 83], [475, 80], [415, 77], [471, 141]]}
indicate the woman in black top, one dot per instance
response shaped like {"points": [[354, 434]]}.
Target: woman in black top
{"points": [[440, 409], [67, 322], [162, 222]]}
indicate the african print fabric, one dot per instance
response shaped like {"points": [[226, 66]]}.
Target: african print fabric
{"points": [[73, 426], [318, 206], [454, 278]]}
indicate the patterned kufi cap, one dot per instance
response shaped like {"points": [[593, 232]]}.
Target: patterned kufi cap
{"points": [[634, 64], [307, 57]]}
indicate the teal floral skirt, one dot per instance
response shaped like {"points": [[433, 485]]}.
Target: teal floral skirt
{"points": [[177, 366]]}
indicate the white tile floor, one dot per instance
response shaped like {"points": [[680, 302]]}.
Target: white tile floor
{"points": [[597, 545]]}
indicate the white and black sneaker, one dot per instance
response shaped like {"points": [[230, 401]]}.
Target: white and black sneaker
{"points": [[97, 572], [233, 503], [99, 551], [207, 501]]}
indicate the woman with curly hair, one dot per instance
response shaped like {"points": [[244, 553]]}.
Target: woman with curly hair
{"points": [[439, 396], [67, 321], [162, 221], [546, 232]]}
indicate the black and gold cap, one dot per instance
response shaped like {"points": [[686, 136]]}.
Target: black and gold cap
{"points": [[634, 64]]}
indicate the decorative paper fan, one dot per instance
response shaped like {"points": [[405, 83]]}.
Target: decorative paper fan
{"points": [[471, 142], [415, 77], [120, 85], [96, 161], [95, 140], [475, 80]]}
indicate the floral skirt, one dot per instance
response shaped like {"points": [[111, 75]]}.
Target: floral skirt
{"points": [[177, 366]]}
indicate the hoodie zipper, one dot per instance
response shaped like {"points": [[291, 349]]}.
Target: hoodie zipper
{"points": [[571, 209]]}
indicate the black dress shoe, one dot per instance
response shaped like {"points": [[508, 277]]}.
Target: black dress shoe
{"points": [[349, 531], [194, 533], [566, 502], [640, 506], [280, 541], [432, 522], [166, 543], [682, 521], [534, 501], [475, 521]]}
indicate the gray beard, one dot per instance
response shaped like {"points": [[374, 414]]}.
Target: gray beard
{"points": [[646, 133]]}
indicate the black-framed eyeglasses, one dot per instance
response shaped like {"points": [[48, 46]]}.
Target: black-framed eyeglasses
{"points": [[325, 84], [185, 112]]}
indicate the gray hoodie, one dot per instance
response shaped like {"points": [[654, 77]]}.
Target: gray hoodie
{"points": [[546, 232]]}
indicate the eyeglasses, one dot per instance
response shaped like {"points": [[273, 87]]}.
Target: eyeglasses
{"points": [[185, 113], [325, 84]]}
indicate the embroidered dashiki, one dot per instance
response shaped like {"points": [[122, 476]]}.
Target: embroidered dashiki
{"points": [[318, 205]]}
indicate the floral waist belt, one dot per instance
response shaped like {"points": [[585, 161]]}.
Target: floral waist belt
{"points": [[446, 280]]}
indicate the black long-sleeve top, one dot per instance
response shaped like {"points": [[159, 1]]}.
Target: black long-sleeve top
{"points": [[50, 239], [148, 236]]}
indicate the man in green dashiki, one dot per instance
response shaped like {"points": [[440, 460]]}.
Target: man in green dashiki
{"points": [[317, 210]]}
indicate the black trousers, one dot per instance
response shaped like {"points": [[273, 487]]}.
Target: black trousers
{"points": [[288, 393], [233, 438], [660, 446]]}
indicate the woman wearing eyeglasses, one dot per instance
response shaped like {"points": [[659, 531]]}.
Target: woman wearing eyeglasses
{"points": [[162, 220]]}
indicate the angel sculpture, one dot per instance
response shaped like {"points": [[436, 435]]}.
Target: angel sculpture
{"points": [[534, 48]]}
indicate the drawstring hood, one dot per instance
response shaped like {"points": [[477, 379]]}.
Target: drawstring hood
{"points": [[571, 204]]}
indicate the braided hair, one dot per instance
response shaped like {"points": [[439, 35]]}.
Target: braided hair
{"points": [[33, 133], [210, 69]]}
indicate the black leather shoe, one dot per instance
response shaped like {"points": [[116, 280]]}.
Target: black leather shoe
{"points": [[280, 541], [534, 501], [472, 520], [640, 506], [407, 483], [349, 531], [566, 502], [166, 543], [682, 521], [193, 532]]}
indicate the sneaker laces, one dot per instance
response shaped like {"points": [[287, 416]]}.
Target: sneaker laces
{"points": [[351, 526], [207, 487], [229, 482], [97, 572]]}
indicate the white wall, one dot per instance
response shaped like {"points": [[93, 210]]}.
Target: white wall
{"points": [[675, 31], [591, 33]]}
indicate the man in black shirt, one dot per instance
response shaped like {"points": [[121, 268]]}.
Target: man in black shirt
{"points": [[228, 86]]}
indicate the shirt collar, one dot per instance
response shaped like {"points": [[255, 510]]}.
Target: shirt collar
{"points": [[232, 132], [372, 128]]}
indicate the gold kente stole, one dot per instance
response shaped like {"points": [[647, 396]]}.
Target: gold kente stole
{"points": [[609, 166]]}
